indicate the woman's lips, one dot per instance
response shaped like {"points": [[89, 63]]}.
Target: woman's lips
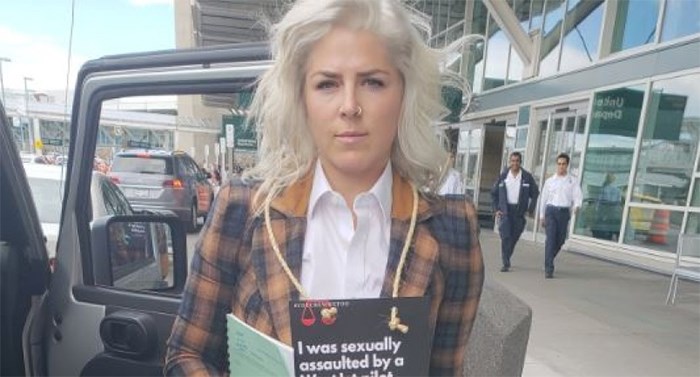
{"points": [[351, 137]]}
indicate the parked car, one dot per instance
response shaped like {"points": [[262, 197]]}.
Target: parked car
{"points": [[155, 179], [46, 183], [78, 320], [28, 158]]}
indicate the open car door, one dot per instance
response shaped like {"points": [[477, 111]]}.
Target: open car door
{"points": [[24, 266], [118, 280]]}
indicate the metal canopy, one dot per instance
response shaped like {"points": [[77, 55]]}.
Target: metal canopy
{"points": [[231, 21]]}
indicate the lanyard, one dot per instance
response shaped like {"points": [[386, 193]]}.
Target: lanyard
{"points": [[331, 312]]}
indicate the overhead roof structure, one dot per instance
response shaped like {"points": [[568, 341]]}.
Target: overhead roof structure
{"points": [[232, 21], [216, 22]]}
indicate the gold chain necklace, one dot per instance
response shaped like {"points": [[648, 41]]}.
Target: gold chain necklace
{"points": [[394, 320]]}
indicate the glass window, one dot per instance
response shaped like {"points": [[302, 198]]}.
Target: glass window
{"points": [[551, 34], [496, 57], [536, 9], [611, 141], [693, 225], [47, 197], [579, 140], [508, 144], [538, 171], [138, 138], [521, 8], [651, 228], [521, 138], [468, 149], [115, 202], [670, 140], [515, 67], [680, 19], [110, 204], [476, 50], [635, 23], [142, 164], [582, 28], [695, 201], [523, 115], [477, 54]]}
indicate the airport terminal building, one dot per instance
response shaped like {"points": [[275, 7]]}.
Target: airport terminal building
{"points": [[616, 85]]}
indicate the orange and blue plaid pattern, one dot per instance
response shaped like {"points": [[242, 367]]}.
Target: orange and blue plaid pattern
{"points": [[234, 270]]}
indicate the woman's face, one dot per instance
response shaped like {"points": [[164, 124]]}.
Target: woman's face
{"points": [[347, 71]]}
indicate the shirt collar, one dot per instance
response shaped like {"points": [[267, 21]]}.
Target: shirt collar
{"points": [[381, 189], [516, 176]]}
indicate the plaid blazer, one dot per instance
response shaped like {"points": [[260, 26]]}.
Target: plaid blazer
{"points": [[234, 270]]}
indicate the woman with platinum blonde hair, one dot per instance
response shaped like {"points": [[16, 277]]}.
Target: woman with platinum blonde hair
{"points": [[343, 202]]}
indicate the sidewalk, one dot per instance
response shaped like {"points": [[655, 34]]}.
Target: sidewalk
{"points": [[597, 318]]}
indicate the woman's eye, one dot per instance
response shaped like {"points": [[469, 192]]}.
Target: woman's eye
{"points": [[374, 83], [326, 84]]}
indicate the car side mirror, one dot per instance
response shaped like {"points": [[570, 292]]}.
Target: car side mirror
{"points": [[140, 252]]}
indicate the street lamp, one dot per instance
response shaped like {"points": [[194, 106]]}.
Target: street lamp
{"points": [[26, 111], [2, 83]]}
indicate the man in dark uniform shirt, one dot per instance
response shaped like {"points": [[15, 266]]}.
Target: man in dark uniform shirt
{"points": [[514, 194]]}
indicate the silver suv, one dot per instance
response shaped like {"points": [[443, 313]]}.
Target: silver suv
{"points": [[164, 180]]}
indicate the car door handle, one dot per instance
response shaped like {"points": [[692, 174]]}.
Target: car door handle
{"points": [[129, 334]]}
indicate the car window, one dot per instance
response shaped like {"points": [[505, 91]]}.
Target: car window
{"points": [[193, 168], [181, 166], [142, 165], [186, 166], [108, 199], [119, 197], [47, 198], [115, 203]]}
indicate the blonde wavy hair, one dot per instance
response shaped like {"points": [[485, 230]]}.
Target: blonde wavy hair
{"points": [[286, 148]]}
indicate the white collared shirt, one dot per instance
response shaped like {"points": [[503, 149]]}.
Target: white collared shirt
{"points": [[452, 183], [513, 186], [339, 261], [560, 191]]}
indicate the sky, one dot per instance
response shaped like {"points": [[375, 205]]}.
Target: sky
{"points": [[34, 35]]}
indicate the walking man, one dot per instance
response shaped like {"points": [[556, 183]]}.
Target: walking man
{"points": [[561, 195], [512, 195]]}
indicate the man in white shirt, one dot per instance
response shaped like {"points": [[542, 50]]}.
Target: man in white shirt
{"points": [[561, 195]]}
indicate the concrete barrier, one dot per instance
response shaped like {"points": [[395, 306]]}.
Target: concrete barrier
{"points": [[498, 341]]}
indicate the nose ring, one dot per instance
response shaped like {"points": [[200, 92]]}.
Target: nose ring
{"points": [[356, 112]]}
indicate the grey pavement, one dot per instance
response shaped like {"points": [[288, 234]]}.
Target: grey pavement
{"points": [[597, 318]]}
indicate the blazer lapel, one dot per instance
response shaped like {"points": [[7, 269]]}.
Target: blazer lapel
{"points": [[422, 254], [288, 221], [273, 282]]}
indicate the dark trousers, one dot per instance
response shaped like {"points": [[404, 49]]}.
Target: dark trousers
{"points": [[510, 229], [556, 220]]}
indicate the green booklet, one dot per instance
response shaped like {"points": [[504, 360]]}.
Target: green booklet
{"points": [[252, 353]]}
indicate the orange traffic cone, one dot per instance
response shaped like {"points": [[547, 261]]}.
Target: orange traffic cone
{"points": [[658, 231]]}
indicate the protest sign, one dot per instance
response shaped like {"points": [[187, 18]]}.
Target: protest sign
{"points": [[356, 341]]}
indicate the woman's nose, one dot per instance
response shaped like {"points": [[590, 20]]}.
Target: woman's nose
{"points": [[350, 106]]}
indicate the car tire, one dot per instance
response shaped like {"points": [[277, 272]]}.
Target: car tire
{"points": [[192, 221]]}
